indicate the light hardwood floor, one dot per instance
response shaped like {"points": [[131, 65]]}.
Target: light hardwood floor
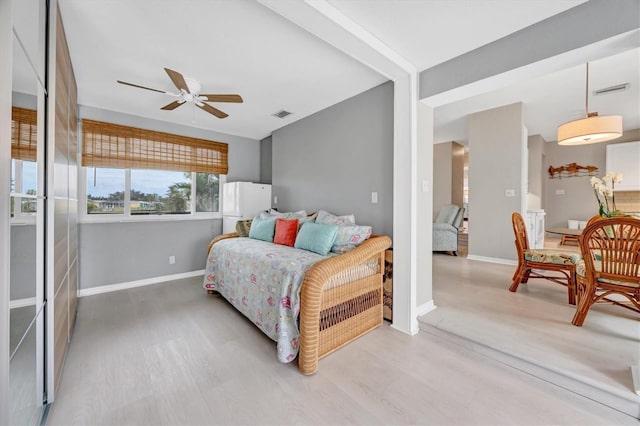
{"points": [[170, 354], [533, 325]]}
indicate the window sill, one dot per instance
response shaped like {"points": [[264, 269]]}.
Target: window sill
{"points": [[147, 218]]}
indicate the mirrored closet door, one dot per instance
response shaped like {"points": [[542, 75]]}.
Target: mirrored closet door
{"points": [[26, 346]]}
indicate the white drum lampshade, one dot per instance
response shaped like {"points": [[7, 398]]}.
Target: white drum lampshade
{"points": [[588, 130]]}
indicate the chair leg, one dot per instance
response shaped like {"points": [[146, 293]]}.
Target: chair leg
{"points": [[585, 300], [518, 277], [571, 289]]}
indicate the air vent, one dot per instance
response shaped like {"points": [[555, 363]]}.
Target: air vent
{"points": [[281, 114], [616, 88]]}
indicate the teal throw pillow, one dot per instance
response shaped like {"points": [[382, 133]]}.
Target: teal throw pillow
{"points": [[262, 229], [316, 237]]}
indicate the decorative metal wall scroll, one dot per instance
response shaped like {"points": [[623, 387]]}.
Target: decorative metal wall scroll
{"points": [[572, 170]]}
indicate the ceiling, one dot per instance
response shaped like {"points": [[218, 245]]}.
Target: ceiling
{"points": [[242, 46], [555, 98]]}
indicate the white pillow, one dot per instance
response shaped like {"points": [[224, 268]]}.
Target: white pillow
{"points": [[349, 237], [271, 214], [331, 219]]}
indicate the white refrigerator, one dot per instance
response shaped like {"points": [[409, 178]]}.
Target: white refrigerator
{"points": [[242, 201]]}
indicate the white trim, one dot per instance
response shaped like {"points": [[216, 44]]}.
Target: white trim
{"points": [[635, 375], [119, 218], [138, 283], [425, 308], [330, 11], [126, 216], [492, 260], [21, 303]]}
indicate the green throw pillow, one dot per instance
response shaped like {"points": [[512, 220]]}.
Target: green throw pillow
{"points": [[316, 237], [262, 229]]}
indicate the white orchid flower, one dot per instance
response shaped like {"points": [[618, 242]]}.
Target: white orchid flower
{"points": [[617, 178], [605, 187]]}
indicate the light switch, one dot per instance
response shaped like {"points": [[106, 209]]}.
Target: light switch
{"points": [[275, 199], [374, 197], [425, 186], [509, 192]]}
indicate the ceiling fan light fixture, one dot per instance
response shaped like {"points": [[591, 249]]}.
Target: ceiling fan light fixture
{"points": [[592, 128], [589, 130]]}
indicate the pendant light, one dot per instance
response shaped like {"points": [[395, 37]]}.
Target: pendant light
{"points": [[592, 128]]}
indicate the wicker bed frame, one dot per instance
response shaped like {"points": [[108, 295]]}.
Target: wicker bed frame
{"points": [[331, 318]]}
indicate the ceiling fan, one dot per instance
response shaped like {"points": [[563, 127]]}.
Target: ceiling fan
{"points": [[189, 91]]}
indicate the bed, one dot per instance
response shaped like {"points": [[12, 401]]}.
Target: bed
{"points": [[309, 304]]}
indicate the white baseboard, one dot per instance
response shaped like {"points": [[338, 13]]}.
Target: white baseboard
{"points": [[21, 303], [425, 308], [138, 283], [635, 374], [492, 260]]}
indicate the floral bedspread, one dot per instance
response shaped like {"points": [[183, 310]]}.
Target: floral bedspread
{"points": [[262, 280]]}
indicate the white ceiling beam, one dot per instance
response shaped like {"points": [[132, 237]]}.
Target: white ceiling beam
{"points": [[327, 23]]}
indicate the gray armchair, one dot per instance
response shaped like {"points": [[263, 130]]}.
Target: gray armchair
{"points": [[445, 229]]}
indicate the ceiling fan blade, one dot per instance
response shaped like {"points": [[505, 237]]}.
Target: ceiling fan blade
{"points": [[172, 105], [222, 98], [141, 87], [178, 80], [212, 110]]}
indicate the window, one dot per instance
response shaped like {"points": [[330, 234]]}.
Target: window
{"points": [[150, 192], [157, 191], [105, 190], [207, 192], [135, 172], [24, 170], [24, 177]]}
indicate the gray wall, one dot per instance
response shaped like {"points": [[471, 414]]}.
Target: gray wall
{"points": [[23, 100], [266, 160], [335, 158], [496, 147], [448, 175], [578, 201], [457, 174], [23, 261], [442, 168], [112, 253], [577, 27]]}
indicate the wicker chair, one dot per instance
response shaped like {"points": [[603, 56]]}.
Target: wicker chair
{"points": [[610, 266], [531, 261]]}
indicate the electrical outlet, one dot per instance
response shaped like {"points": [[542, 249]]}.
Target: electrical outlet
{"points": [[275, 200], [374, 197], [509, 192], [559, 191], [172, 260]]}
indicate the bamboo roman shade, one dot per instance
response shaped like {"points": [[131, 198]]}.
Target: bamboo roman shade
{"points": [[24, 142], [124, 147]]}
